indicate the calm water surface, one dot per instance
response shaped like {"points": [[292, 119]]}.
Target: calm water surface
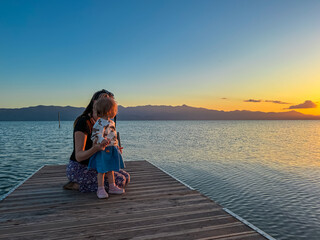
{"points": [[268, 172]]}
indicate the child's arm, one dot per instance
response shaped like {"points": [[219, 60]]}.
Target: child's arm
{"points": [[97, 131]]}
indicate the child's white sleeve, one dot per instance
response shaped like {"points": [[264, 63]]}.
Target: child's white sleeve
{"points": [[97, 132]]}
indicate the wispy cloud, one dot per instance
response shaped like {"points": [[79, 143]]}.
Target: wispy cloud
{"points": [[306, 104], [277, 102], [270, 101], [253, 100]]}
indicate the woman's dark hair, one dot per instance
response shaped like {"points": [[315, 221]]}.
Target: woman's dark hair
{"points": [[95, 97]]}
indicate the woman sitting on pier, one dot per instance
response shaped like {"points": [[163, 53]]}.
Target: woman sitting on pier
{"points": [[78, 174]]}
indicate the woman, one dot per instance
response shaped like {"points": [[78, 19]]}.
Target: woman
{"points": [[78, 174]]}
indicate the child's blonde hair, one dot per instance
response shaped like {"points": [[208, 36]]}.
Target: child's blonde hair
{"points": [[106, 107]]}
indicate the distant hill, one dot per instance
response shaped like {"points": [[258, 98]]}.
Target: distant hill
{"points": [[40, 113], [184, 112]]}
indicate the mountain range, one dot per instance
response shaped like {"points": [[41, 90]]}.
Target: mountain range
{"points": [[148, 112]]}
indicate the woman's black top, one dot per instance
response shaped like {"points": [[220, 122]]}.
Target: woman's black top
{"points": [[82, 124]]}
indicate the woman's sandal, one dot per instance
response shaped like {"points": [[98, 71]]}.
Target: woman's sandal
{"points": [[71, 186]]}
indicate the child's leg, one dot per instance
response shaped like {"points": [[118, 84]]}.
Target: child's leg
{"points": [[101, 179], [113, 188], [101, 193], [110, 176]]}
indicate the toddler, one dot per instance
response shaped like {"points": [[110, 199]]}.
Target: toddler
{"points": [[110, 159]]}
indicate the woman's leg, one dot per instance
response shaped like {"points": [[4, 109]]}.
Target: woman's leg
{"points": [[87, 179], [126, 175], [122, 178]]}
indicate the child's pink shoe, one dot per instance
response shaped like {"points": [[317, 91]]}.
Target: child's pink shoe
{"points": [[101, 193], [114, 189]]}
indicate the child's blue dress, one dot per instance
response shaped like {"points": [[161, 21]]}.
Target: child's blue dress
{"points": [[110, 159]]}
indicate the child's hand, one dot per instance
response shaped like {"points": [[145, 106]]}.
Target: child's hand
{"points": [[120, 149], [105, 142]]}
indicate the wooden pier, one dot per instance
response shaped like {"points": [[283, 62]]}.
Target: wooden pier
{"points": [[155, 206]]}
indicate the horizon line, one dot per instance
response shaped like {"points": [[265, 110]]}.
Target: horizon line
{"points": [[183, 105]]}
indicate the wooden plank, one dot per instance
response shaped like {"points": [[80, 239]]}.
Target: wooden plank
{"points": [[113, 219], [85, 202], [155, 206], [20, 199], [52, 216]]}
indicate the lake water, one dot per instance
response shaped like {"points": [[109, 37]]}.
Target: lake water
{"points": [[267, 172]]}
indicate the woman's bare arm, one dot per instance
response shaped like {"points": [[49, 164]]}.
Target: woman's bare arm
{"points": [[80, 140]]}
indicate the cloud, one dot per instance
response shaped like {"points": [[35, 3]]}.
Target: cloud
{"points": [[270, 101], [277, 102], [252, 100], [224, 98], [306, 104]]}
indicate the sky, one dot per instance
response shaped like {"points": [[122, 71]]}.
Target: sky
{"points": [[218, 54]]}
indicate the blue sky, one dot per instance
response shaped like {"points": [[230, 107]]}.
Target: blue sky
{"points": [[213, 54]]}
